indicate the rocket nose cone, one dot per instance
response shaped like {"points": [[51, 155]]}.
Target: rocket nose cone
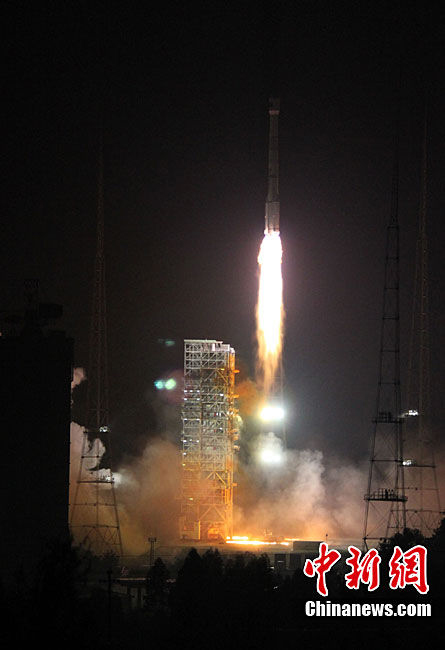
{"points": [[274, 106]]}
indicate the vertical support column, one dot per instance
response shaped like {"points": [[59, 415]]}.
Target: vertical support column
{"points": [[209, 432]]}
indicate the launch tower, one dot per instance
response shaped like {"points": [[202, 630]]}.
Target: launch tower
{"points": [[424, 510], [208, 441], [94, 518], [385, 499]]}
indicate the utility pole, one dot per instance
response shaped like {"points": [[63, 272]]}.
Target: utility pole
{"points": [[152, 541]]}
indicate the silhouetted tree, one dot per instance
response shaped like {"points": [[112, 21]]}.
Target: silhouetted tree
{"points": [[437, 541], [187, 597], [156, 586], [410, 537]]}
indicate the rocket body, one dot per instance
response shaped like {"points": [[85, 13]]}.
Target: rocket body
{"points": [[272, 216]]}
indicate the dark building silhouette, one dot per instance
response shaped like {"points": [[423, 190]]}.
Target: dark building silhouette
{"points": [[35, 400]]}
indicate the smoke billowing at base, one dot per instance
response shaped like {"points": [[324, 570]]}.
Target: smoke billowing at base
{"points": [[295, 493], [301, 497], [282, 492], [146, 492]]}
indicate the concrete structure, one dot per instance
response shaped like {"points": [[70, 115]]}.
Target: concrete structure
{"points": [[35, 408]]}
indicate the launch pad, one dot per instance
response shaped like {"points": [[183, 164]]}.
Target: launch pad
{"points": [[209, 433]]}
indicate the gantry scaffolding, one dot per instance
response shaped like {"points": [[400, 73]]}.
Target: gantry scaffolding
{"points": [[208, 441]]}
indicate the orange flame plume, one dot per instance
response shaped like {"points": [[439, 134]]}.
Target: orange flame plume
{"points": [[270, 308]]}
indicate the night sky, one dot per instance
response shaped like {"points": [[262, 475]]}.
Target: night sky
{"points": [[182, 94]]}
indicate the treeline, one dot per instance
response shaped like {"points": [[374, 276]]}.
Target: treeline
{"points": [[211, 603]]}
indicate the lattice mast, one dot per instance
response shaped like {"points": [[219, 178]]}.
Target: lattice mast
{"points": [[208, 441], [385, 499], [94, 518], [424, 511]]}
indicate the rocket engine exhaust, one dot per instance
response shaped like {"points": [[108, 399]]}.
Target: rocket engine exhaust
{"points": [[270, 308], [270, 295]]}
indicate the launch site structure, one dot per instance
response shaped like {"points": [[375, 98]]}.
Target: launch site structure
{"points": [[385, 498], [423, 510], [209, 435], [94, 516], [402, 485]]}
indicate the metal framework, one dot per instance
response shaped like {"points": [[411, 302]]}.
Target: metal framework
{"points": [[424, 511], [385, 499], [94, 517], [208, 441]]}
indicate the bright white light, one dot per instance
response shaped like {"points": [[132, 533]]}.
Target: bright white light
{"points": [[117, 478], [410, 414], [272, 413], [270, 307], [271, 456], [270, 450]]}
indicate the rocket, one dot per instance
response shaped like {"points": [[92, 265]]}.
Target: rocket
{"points": [[272, 216]]}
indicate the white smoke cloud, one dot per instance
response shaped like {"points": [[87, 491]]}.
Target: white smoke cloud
{"points": [[78, 377], [82, 492], [147, 494], [297, 494], [292, 493]]}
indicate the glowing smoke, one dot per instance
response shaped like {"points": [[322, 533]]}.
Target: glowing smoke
{"points": [[270, 309], [78, 377], [149, 485], [88, 492], [298, 494], [146, 487], [301, 496], [76, 436], [147, 496]]}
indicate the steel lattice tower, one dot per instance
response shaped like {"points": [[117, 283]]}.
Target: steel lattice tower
{"points": [[385, 509], [424, 511], [208, 441], [94, 517]]}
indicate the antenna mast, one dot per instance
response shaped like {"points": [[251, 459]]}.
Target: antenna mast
{"points": [[94, 511], [385, 510], [424, 512]]}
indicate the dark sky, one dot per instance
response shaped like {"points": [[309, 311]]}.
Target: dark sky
{"points": [[183, 90]]}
